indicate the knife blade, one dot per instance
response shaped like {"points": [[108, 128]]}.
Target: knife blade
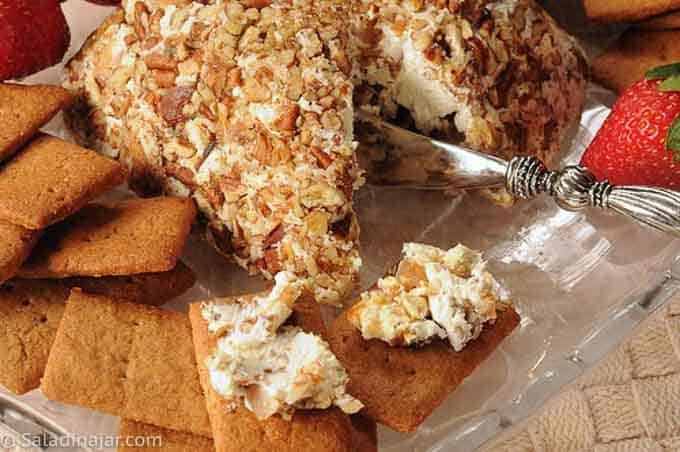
{"points": [[393, 156]]}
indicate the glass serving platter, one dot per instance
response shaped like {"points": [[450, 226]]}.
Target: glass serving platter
{"points": [[581, 281]]}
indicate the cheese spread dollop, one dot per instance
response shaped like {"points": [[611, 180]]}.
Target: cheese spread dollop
{"points": [[435, 294], [273, 368]]}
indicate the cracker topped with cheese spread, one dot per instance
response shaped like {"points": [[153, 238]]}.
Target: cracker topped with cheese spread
{"points": [[273, 368], [435, 294], [416, 335]]}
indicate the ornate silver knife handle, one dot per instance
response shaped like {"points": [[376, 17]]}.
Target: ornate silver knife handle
{"points": [[575, 188], [396, 157]]}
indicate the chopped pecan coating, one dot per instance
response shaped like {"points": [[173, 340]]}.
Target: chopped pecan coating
{"points": [[245, 107]]}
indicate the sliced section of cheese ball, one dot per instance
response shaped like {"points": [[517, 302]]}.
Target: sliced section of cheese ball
{"points": [[501, 75]]}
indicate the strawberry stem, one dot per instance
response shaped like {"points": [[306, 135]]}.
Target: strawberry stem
{"points": [[673, 139], [663, 72]]}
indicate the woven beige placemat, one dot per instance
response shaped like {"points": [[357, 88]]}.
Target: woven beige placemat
{"points": [[629, 403]]}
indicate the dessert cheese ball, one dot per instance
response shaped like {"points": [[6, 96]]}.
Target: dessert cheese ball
{"points": [[245, 107], [248, 107]]}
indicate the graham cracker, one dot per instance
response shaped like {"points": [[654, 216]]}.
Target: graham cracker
{"points": [[240, 431], [633, 54], [628, 10], [670, 21], [128, 360], [24, 109], [16, 244], [29, 317], [122, 238], [138, 437], [30, 311], [153, 289], [50, 179], [400, 386]]}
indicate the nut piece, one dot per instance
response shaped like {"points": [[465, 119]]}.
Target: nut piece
{"points": [[172, 103], [317, 222], [156, 61], [256, 92], [259, 4], [324, 160], [263, 149], [164, 79], [181, 173], [287, 119]]}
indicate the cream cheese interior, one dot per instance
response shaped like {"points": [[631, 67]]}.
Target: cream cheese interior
{"points": [[435, 294], [500, 75], [427, 98], [271, 367]]}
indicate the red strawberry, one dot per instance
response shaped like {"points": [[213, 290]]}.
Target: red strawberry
{"points": [[639, 143], [33, 36]]}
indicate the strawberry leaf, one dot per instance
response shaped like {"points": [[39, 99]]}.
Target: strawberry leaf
{"points": [[673, 139], [670, 84], [670, 70]]}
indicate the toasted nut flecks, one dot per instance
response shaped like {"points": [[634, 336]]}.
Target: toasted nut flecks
{"points": [[246, 107], [256, 91], [257, 3], [156, 61], [287, 118], [181, 173], [322, 158], [164, 79], [173, 102]]}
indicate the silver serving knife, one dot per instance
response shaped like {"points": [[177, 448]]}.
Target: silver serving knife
{"points": [[393, 156]]}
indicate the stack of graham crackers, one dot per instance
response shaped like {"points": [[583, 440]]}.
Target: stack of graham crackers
{"points": [[139, 362], [58, 245], [653, 39], [80, 286]]}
